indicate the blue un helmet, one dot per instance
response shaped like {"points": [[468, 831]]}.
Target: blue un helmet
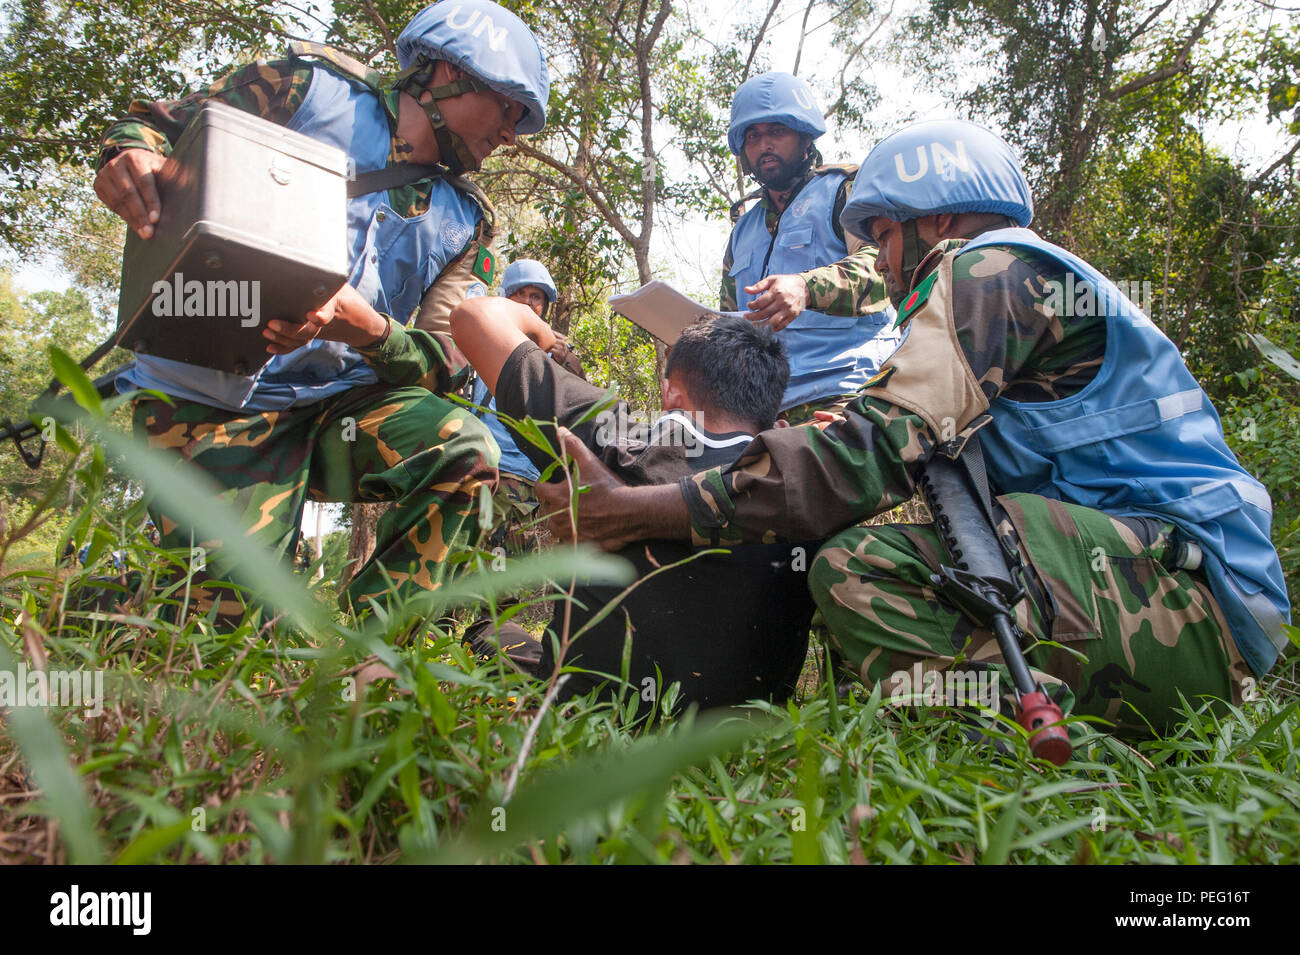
{"points": [[931, 168], [774, 98], [935, 167], [490, 44], [523, 272]]}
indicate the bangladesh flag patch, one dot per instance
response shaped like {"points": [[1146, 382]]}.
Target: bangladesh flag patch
{"points": [[916, 299], [485, 266]]}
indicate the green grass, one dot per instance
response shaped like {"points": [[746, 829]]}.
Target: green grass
{"points": [[298, 736], [253, 745]]}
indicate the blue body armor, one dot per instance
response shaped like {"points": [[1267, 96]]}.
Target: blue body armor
{"points": [[829, 355], [393, 260], [1142, 439]]}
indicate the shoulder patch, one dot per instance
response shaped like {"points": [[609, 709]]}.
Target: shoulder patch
{"points": [[485, 266], [879, 378], [916, 299]]}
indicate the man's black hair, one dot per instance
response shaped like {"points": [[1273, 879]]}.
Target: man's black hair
{"points": [[730, 364]]}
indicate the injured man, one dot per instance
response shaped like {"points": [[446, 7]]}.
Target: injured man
{"points": [[727, 627]]}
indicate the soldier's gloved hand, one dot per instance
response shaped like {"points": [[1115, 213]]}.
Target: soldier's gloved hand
{"points": [[347, 318], [780, 299], [126, 185]]}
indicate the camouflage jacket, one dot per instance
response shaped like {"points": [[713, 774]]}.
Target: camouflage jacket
{"points": [[273, 90], [850, 286], [803, 483]]}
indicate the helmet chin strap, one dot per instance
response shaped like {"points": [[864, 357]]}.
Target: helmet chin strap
{"points": [[452, 150], [914, 250]]}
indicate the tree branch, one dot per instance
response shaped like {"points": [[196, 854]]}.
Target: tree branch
{"points": [[1174, 68], [607, 213], [758, 39], [644, 48], [390, 41], [1146, 24], [803, 35], [853, 55]]}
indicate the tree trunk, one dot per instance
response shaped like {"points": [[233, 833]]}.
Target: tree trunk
{"points": [[362, 543], [316, 548]]}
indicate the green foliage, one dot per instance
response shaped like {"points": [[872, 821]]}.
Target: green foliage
{"points": [[292, 736], [260, 743], [29, 325], [1261, 418], [68, 68], [620, 355]]}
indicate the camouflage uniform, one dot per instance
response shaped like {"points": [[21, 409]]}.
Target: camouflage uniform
{"points": [[393, 441], [1126, 627], [390, 441], [515, 506]]}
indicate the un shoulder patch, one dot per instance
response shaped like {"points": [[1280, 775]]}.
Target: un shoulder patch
{"points": [[485, 266], [916, 299]]}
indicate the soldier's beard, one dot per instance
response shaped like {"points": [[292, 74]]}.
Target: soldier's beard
{"points": [[780, 176]]}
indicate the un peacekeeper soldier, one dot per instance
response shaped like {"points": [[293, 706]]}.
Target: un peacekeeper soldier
{"points": [[1147, 543], [338, 412], [815, 285]]}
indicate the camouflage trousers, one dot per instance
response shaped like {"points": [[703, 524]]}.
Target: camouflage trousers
{"points": [[1120, 631], [515, 533], [372, 443], [514, 508]]}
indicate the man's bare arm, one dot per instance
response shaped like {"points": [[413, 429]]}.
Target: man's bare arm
{"points": [[487, 329]]}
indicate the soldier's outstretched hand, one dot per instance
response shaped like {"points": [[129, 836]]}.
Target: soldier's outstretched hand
{"points": [[779, 300], [602, 512], [127, 185]]}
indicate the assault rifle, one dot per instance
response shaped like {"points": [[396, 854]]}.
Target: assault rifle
{"points": [[987, 582]]}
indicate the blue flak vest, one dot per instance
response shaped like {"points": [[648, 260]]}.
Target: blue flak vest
{"points": [[393, 260], [829, 355], [1142, 439], [513, 461]]}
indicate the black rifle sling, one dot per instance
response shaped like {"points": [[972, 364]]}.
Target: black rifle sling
{"points": [[971, 461]]}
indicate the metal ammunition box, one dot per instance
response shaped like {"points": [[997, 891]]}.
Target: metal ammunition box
{"points": [[253, 227]]}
